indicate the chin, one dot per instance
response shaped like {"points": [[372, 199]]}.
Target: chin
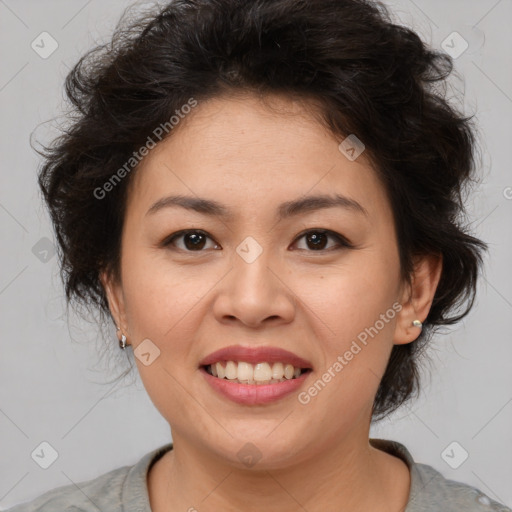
{"points": [[261, 447]]}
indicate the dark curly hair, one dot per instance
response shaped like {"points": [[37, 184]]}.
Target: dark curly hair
{"points": [[364, 74]]}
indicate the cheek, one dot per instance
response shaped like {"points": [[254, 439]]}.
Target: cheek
{"points": [[159, 296], [360, 311], [161, 305], [161, 309], [359, 306], [353, 299]]}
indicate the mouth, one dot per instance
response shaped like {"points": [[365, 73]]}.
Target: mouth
{"points": [[262, 373], [252, 375]]}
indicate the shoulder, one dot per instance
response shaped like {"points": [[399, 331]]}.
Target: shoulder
{"points": [[121, 490], [101, 493], [432, 491]]}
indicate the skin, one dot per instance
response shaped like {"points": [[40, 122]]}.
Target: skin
{"points": [[239, 152]]}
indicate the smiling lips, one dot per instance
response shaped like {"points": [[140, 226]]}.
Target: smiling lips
{"points": [[252, 375]]}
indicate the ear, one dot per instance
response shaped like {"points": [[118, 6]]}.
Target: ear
{"points": [[114, 293], [417, 297]]}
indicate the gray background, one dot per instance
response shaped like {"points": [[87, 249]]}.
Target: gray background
{"points": [[52, 381]]}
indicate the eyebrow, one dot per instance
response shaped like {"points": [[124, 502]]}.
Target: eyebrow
{"points": [[285, 210]]}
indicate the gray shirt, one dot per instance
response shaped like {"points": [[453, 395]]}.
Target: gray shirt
{"points": [[125, 489]]}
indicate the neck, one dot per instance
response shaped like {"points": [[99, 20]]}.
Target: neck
{"points": [[350, 476]]}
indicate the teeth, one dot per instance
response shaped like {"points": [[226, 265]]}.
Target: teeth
{"points": [[220, 370], [245, 371], [231, 370], [277, 371], [261, 373], [288, 371]]}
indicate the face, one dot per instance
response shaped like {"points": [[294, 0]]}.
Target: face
{"points": [[320, 280]]}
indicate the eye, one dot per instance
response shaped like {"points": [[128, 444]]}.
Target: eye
{"points": [[317, 238], [194, 240]]}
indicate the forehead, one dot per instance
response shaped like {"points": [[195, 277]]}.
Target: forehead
{"points": [[245, 147]]}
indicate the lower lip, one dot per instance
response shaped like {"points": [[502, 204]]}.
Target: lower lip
{"points": [[252, 394]]}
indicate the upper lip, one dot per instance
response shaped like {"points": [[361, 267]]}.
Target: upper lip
{"points": [[255, 355]]}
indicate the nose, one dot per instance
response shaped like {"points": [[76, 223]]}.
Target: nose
{"points": [[255, 294]]}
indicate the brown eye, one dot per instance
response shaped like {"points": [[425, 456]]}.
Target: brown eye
{"points": [[193, 240], [317, 239]]}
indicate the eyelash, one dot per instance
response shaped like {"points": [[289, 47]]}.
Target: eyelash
{"points": [[343, 243]]}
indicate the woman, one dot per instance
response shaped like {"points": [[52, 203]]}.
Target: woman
{"points": [[265, 197]]}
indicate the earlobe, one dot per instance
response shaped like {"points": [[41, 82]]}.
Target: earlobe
{"points": [[417, 298]]}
